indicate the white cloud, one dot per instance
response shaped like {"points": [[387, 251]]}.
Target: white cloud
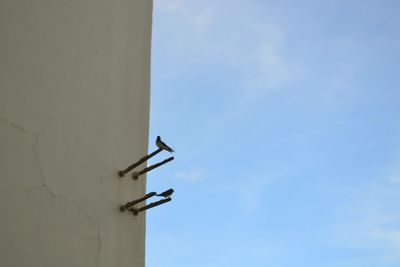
{"points": [[395, 179], [372, 223], [194, 175], [394, 172], [169, 5], [208, 31], [378, 231], [250, 190]]}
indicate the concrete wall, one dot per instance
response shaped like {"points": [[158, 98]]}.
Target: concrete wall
{"points": [[74, 109]]}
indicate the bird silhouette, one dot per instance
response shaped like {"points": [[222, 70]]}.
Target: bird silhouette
{"points": [[167, 193], [162, 145]]}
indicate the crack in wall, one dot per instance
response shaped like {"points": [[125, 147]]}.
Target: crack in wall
{"points": [[23, 130], [75, 203], [14, 125], [47, 187], [44, 184], [50, 191], [54, 195], [98, 247]]}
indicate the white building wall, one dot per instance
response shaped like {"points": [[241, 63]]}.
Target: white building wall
{"points": [[74, 109]]}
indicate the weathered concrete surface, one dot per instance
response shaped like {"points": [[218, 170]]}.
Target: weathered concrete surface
{"points": [[74, 109]]}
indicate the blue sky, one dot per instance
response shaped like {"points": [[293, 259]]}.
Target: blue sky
{"points": [[285, 118]]}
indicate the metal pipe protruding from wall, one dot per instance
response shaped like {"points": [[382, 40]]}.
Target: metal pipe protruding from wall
{"points": [[134, 202], [140, 161], [136, 175], [149, 206]]}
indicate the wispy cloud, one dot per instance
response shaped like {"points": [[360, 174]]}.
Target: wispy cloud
{"points": [[380, 232], [252, 47], [395, 179], [394, 171], [250, 190], [373, 224], [194, 175]]}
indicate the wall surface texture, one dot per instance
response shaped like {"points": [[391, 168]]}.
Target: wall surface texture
{"points": [[74, 109]]}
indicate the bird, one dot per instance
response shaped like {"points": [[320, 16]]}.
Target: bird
{"points": [[166, 194], [160, 144]]}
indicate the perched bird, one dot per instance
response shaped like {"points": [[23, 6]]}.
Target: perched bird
{"points": [[167, 193], [162, 145]]}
